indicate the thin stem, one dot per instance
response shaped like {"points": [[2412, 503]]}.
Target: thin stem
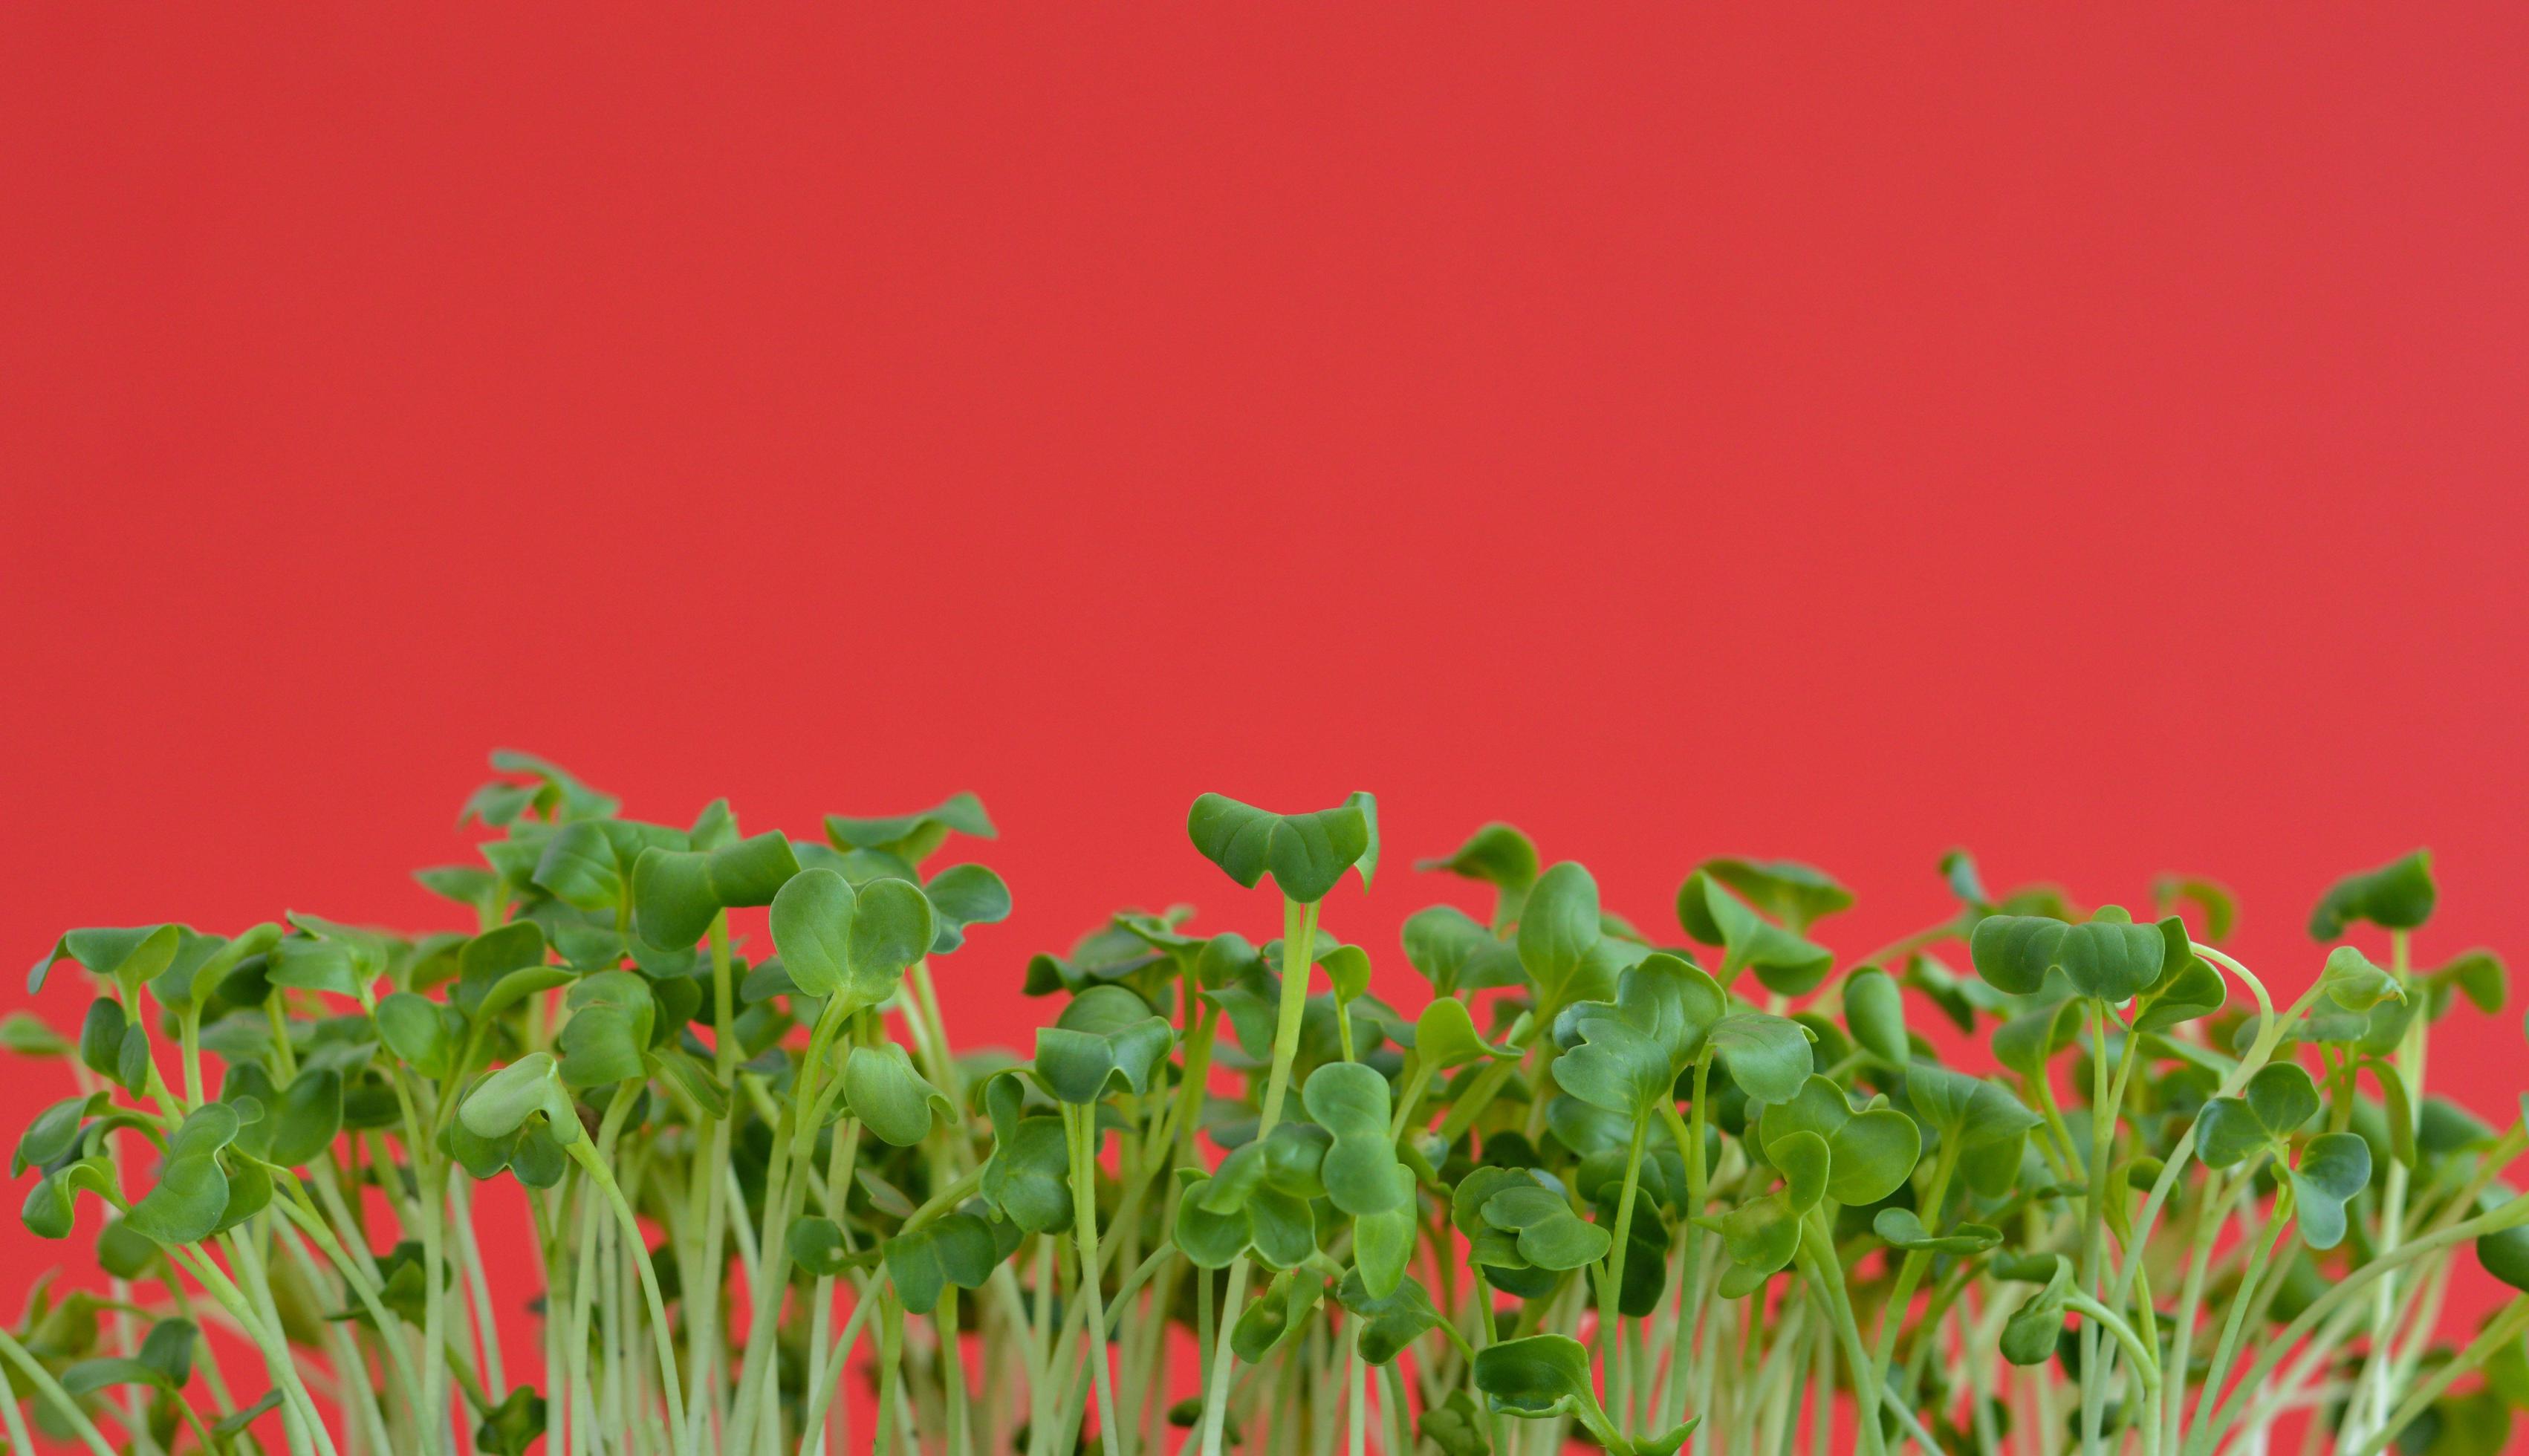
{"points": [[660, 1330], [1299, 937], [1083, 1222]]}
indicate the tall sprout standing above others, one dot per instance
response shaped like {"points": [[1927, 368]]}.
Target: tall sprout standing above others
{"points": [[1715, 1193]]}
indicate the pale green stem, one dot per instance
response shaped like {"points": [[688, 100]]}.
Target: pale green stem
{"points": [[1612, 1289], [660, 1329], [830, 1374], [2498, 1332], [1689, 1135], [2370, 1403], [2351, 1286], [1084, 1221], [1299, 937], [51, 1389]]}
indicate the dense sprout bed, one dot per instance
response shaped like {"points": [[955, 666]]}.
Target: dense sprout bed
{"points": [[1639, 1188]]}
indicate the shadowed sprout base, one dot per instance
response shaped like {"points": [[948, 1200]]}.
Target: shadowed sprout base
{"points": [[1714, 1190]]}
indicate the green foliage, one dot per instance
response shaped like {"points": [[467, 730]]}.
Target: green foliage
{"points": [[1306, 853], [2397, 896], [1585, 1186]]}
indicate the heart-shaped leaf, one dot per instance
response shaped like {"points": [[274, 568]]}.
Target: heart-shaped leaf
{"points": [[502, 1103], [963, 895], [126, 956], [1538, 1377], [2278, 1099], [1901, 1228], [2333, 1167], [1768, 1056], [2106, 958], [956, 1249], [1455, 953], [587, 864], [416, 1031], [2397, 896], [1445, 1035], [186, 1204], [2030, 1335], [889, 1098], [1106, 1041], [1872, 1152], [1616, 1067], [1557, 930], [307, 1118], [892, 927], [1791, 892], [2188, 987], [1785, 961], [1029, 1176], [676, 894], [1275, 1315], [913, 837], [1306, 853], [1549, 1234], [1499, 855], [1987, 1124], [2353, 983], [54, 1132], [1390, 1321]]}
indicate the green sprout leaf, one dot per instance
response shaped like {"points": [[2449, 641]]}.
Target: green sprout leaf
{"points": [[1455, 953], [1389, 1323], [1903, 1228], [1106, 1041], [1546, 1230], [1499, 855], [1785, 961], [1029, 1176], [126, 956], [955, 1250], [857, 944], [2353, 983], [502, 1103], [2397, 896], [2333, 1167], [507, 1429], [1360, 1171], [2189, 988], [1790, 892], [889, 1098], [2030, 1335], [1988, 1125], [1445, 1035], [1306, 853], [677, 893], [1870, 1153], [1557, 932], [1455, 1425], [964, 895], [913, 837], [2276, 1100], [1277, 1314], [1874, 1012], [2106, 959], [1763, 1234]]}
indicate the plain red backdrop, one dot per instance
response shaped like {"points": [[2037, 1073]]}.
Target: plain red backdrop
{"points": [[2094, 435]]}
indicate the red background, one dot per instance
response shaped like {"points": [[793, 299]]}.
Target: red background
{"points": [[2093, 436]]}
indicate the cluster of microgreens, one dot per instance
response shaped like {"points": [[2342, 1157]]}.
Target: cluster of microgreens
{"points": [[1596, 1189]]}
